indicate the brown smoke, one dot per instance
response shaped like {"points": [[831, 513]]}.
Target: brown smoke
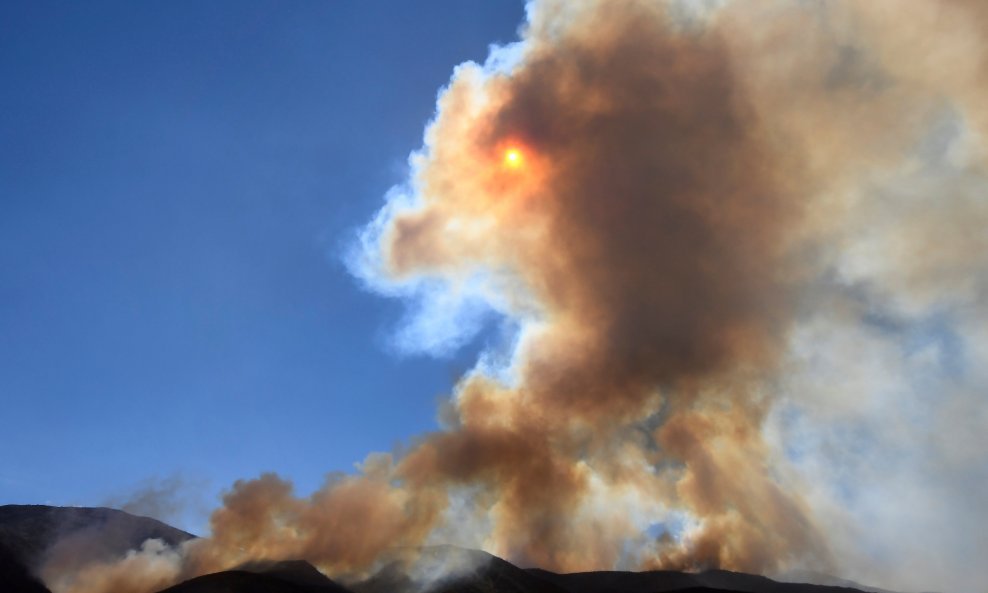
{"points": [[646, 231], [652, 239], [682, 183]]}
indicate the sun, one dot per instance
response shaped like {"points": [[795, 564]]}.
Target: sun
{"points": [[513, 158]]}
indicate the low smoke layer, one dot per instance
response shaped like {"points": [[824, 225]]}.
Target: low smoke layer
{"points": [[738, 248]]}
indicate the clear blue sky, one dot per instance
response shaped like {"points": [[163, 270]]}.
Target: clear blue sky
{"points": [[177, 183]]}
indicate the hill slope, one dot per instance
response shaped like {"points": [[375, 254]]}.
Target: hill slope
{"points": [[668, 581], [272, 577], [31, 532], [14, 575], [479, 572], [70, 537], [67, 538]]}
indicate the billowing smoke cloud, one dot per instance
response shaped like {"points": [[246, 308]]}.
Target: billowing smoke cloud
{"points": [[739, 249]]}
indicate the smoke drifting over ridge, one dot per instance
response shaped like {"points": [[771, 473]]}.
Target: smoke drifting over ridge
{"points": [[740, 252]]}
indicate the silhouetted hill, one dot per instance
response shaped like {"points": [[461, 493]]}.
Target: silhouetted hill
{"points": [[297, 572], [819, 578], [14, 575], [69, 537], [32, 532], [667, 581], [294, 576], [478, 572], [448, 569]]}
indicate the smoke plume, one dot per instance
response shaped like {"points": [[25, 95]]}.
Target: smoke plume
{"points": [[738, 247]]}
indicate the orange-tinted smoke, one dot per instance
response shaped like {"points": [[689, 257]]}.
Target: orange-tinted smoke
{"points": [[650, 237], [650, 245], [643, 237]]}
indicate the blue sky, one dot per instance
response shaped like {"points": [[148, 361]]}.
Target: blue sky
{"points": [[178, 181]]}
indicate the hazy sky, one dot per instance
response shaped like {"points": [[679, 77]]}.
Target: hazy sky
{"points": [[178, 181]]}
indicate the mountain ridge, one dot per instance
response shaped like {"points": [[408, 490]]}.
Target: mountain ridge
{"points": [[32, 531], [32, 535]]}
